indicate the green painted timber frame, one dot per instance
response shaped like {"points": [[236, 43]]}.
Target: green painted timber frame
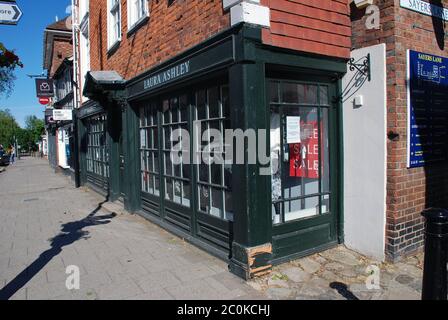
{"points": [[238, 55]]}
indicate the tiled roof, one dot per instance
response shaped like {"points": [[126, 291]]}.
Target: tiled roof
{"points": [[59, 25]]}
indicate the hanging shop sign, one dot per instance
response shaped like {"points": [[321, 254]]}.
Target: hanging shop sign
{"points": [[425, 8], [44, 88], [427, 109], [205, 59], [62, 114]]}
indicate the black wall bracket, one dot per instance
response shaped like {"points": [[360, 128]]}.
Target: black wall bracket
{"points": [[363, 73]]}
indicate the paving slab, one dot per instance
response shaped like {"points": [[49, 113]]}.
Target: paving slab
{"points": [[123, 256]]}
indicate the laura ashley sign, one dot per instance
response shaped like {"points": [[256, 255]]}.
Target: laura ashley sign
{"points": [[202, 61], [167, 75], [425, 8]]}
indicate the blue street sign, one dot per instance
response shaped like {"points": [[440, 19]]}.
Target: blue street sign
{"points": [[10, 13], [427, 109]]}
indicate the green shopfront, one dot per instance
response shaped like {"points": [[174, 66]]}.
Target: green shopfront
{"points": [[253, 215]]}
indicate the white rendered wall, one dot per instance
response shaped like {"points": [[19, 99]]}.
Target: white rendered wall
{"points": [[365, 161]]}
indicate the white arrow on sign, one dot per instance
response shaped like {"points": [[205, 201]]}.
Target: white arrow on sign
{"points": [[10, 13]]}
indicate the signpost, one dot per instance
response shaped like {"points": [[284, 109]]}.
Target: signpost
{"points": [[10, 13]]}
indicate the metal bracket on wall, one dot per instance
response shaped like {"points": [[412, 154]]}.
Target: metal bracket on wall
{"points": [[417, 26], [362, 65], [363, 73]]}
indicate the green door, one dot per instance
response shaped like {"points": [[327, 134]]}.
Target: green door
{"points": [[302, 144]]}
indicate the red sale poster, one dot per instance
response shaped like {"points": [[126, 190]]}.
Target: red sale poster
{"points": [[304, 156]]}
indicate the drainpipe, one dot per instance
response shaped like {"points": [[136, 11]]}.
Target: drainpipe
{"points": [[76, 91]]}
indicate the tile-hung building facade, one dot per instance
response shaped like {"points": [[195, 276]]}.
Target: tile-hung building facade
{"points": [[395, 132], [58, 61], [158, 66]]}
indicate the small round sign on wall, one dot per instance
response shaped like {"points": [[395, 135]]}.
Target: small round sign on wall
{"points": [[44, 100]]}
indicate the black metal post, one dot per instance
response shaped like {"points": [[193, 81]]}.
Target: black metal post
{"points": [[436, 252]]}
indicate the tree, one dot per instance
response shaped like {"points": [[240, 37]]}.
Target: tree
{"points": [[8, 127], [34, 128], [8, 63]]}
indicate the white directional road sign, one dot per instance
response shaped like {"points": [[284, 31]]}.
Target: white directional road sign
{"points": [[10, 13]]}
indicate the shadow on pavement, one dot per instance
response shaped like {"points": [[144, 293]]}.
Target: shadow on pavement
{"points": [[70, 233]]}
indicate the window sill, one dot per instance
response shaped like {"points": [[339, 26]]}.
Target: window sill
{"points": [[113, 48], [137, 25]]}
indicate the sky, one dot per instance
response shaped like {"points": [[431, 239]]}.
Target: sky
{"points": [[26, 39]]}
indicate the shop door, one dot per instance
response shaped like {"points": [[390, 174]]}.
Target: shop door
{"points": [[213, 177], [97, 156], [303, 180], [166, 184], [121, 167]]}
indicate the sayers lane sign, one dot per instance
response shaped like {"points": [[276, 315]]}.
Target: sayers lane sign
{"points": [[425, 8], [10, 13]]}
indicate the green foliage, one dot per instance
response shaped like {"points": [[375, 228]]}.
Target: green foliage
{"points": [[27, 138], [8, 63], [8, 128]]}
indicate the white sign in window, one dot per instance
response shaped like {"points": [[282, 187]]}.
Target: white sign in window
{"points": [[293, 130]]}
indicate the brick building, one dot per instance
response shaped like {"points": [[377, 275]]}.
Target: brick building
{"points": [[58, 61], [415, 178], [337, 128]]}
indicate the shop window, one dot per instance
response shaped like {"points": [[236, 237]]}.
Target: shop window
{"points": [[214, 177], [176, 175], [137, 11], [149, 156], [300, 156], [97, 157], [113, 22]]}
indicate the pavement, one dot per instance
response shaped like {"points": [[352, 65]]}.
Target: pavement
{"points": [[52, 235]]}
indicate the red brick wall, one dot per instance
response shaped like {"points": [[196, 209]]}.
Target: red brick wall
{"points": [[62, 48], [315, 26], [169, 31], [409, 191]]}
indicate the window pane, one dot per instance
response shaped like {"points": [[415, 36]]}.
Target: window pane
{"points": [[174, 105], [290, 94], [156, 186], [177, 191], [186, 194], [311, 94], [183, 105], [168, 168], [203, 172], [325, 151], [229, 206], [323, 95], [216, 173], [217, 205], [166, 111], [225, 101], [303, 208], [213, 99], [169, 189], [204, 197], [273, 91], [200, 104]]}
